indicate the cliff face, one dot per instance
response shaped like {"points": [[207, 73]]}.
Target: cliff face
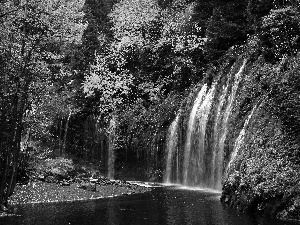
{"points": [[241, 134], [262, 174]]}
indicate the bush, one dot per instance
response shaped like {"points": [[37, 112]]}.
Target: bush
{"points": [[280, 33]]}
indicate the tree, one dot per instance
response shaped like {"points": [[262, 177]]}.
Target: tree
{"points": [[33, 38], [227, 26], [154, 52], [280, 33], [111, 87]]}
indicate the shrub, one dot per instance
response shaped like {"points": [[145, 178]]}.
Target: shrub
{"points": [[280, 33]]}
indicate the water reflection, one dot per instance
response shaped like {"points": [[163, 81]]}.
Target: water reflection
{"points": [[112, 214], [168, 205]]}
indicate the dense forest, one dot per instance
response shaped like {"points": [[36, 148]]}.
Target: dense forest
{"points": [[81, 77]]}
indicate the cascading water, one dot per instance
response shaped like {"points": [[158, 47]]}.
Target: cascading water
{"points": [[190, 130], [240, 139], [195, 164], [111, 152], [202, 164], [229, 108], [217, 156], [172, 150], [224, 127]]}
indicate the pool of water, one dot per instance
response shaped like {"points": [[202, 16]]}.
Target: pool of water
{"points": [[162, 205]]}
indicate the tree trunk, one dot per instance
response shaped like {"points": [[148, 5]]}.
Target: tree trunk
{"points": [[65, 134], [4, 177], [15, 159], [60, 136], [20, 109]]}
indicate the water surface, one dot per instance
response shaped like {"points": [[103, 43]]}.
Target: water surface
{"points": [[163, 205]]}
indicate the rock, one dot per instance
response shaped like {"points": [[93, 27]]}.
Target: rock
{"points": [[96, 175], [65, 183], [93, 180], [3, 208], [88, 186], [91, 187], [41, 177], [50, 179], [226, 199], [77, 180]]}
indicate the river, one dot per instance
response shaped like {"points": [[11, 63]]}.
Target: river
{"points": [[163, 205]]}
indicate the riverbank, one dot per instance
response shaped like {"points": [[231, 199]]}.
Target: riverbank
{"points": [[37, 192], [60, 180], [43, 192]]}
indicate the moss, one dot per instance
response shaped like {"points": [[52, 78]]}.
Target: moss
{"points": [[267, 167]]}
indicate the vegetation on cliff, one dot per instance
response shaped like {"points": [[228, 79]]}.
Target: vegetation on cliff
{"points": [[264, 176]]}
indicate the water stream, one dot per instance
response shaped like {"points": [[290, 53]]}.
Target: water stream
{"points": [[172, 151], [203, 150], [111, 146], [190, 130], [161, 206], [217, 156], [196, 166]]}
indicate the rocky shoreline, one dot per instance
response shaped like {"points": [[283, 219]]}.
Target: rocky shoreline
{"points": [[59, 180], [42, 192], [283, 206]]}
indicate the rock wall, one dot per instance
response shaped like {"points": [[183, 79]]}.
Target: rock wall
{"points": [[247, 144], [264, 174]]}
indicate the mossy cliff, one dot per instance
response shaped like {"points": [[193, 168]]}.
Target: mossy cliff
{"points": [[263, 174]]}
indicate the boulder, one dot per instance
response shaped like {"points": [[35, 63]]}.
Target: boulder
{"points": [[65, 183], [87, 186], [3, 208]]}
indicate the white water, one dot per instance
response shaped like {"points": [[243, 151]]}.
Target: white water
{"points": [[172, 148], [111, 152], [240, 139], [190, 130], [203, 113], [194, 166], [203, 154], [218, 156], [228, 110]]}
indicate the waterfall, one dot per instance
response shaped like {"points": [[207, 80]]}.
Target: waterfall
{"points": [[217, 156], [63, 151], [190, 129], [229, 107], [111, 152], [240, 139], [202, 161], [172, 150], [194, 158], [224, 127]]}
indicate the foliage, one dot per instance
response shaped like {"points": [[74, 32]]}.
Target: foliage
{"points": [[135, 22], [111, 87], [56, 166], [226, 27], [284, 95], [280, 33], [133, 60], [34, 37], [157, 48], [141, 134], [267, 165]]}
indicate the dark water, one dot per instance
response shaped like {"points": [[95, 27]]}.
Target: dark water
{"points": [[166, 205]]}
